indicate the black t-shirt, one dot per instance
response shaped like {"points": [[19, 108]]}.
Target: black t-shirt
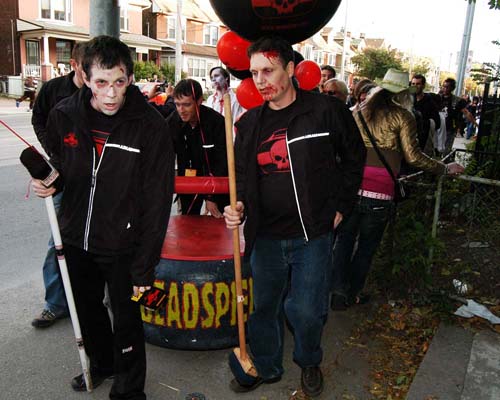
{"points": [[100, 127], [429, 111], [453, 106], [279, 217]]}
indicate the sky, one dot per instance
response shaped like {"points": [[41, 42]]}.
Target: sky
{"points": [[432, 28]]}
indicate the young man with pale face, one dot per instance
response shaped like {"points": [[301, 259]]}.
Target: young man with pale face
{"points": [[117, 161], [273, 79], [292, 197], [220, 79], [108, 86]]}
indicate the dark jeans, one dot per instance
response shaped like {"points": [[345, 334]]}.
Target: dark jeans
{"points": [[55, 298], [28, 95], [450, 139], [366, 223], [121, 352], [290, 277]]}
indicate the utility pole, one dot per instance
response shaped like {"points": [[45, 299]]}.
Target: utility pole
{"points": [[342, 68], [105, 18], [464, 51], [178, 42]]}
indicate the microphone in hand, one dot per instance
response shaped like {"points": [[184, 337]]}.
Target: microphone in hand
{"points": [[38, 166]]}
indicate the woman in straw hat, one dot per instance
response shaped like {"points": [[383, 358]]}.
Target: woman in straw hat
{"points": [[386, 116]]}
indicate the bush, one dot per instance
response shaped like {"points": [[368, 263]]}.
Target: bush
{"points": [[146, 70], [168, 73]]}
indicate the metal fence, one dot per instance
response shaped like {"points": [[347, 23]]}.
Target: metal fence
{"points": [[472, 207]]}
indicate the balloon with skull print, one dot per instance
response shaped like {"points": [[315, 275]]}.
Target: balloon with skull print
{"points": [[294, 20]]}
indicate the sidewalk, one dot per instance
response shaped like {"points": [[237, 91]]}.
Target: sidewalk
{"points": [[8, 106], [459, 365], [39, 364]]}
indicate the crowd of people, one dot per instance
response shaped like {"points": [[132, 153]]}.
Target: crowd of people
{"points": [[316, 177]]}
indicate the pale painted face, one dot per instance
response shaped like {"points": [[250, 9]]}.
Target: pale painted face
{"points": [[108, 88], [272, 80], [218, 80], [186, 108]]}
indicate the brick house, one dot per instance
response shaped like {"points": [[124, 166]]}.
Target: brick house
{"points": [[39, 35], [201, 29]]}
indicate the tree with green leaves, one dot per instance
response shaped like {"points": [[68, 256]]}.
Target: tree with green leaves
{"points": [[494, 4], [374, 63], [145, 70], [489, 72]]}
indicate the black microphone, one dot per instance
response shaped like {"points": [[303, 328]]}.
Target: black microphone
{"points": [[38, 166]]}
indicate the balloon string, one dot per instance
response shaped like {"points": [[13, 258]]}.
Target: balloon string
{"points": [[27, 195], [18, 135]]}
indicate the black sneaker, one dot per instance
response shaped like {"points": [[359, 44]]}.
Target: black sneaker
{"points": [[237, 387], [339, 303], [312, 381], [44, 320], [78, 382]]}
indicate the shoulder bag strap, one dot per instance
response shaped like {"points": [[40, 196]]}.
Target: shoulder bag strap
{"points": [[379, 153], [376, 148]]}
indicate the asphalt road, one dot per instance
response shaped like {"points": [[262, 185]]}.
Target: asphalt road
{"points": [[39, 364]]}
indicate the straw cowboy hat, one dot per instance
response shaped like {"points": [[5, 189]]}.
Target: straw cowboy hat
{"points": [[396, 81]]}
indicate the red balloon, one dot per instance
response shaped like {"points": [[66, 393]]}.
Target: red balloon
{"points": [[247, 94], [232, 51], [308, 74]]}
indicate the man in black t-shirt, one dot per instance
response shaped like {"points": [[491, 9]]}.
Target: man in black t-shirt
{"points": [[293, 195], [454, 108], [200, 145]]}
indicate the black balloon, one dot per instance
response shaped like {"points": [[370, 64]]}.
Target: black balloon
{"points": [[297, 57], [293, 20], [239, 74]]}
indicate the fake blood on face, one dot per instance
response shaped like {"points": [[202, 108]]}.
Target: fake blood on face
{"points": [[271, 55], [268, 92]]}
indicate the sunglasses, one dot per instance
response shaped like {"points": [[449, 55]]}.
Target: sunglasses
{"points": [[331, 92]]}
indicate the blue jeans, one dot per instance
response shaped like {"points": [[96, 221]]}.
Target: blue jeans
{"points": [[290, 278], [471, 130], [55, 298], [366, 223]]}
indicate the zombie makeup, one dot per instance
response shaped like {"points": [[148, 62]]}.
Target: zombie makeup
{"points": [[218, 80], [108, 88]]}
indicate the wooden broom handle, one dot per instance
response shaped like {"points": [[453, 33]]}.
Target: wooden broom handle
{"points": [[228, 119]]}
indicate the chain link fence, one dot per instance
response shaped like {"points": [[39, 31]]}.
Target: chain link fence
{"points": [[473, 205], [447, 231]]}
